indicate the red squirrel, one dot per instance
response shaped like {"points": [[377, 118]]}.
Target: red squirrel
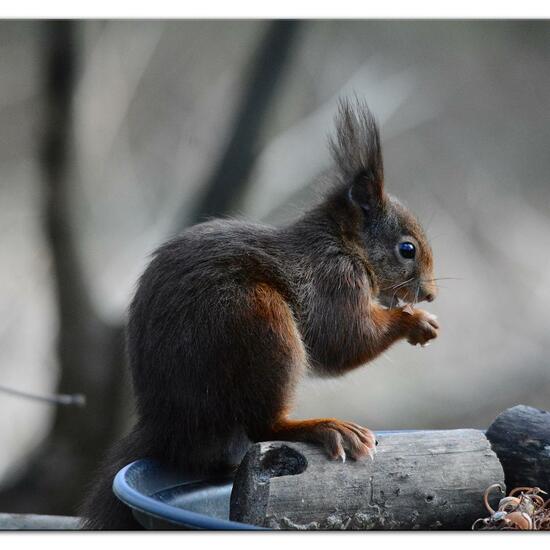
{"points": [[229, 315]]}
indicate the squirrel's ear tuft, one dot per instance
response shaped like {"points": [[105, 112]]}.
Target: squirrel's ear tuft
{"points": [[357, 153]]}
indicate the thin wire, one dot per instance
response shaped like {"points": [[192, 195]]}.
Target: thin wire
{"points": [[77, 399]]}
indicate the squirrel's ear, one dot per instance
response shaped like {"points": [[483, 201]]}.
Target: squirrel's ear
{"points": [[357, 153], [367, 190]]}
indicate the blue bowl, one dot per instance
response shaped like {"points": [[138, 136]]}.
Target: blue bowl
{"points": [[166, 499], [161, 498]]}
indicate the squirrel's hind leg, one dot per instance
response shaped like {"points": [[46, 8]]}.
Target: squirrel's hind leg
{"points": [[271, 360], [278, 359]]}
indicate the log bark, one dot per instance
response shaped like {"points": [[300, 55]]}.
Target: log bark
{"points": [[520, 436], [418, 480], [34, 522]]}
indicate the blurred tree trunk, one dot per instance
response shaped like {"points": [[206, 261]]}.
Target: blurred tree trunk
{"points": [[90, 351], [229, 180]]}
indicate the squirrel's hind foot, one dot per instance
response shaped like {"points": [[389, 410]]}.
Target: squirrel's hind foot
{"points": [[339, 438]]}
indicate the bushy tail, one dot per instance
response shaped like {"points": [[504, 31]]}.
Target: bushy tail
{"points": [[101, 509], [356, 148]]}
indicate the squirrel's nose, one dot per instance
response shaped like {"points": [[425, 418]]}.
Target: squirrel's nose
{"points": [[430, 293]]}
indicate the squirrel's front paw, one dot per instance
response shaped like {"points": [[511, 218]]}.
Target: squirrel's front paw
{"points": [[423, 326]]}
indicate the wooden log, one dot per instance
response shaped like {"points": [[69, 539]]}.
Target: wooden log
{"points": [[520, 437], [34, 522], [418, 480]]}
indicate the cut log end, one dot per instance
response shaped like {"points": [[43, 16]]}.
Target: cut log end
{"points": [[520, 436]]}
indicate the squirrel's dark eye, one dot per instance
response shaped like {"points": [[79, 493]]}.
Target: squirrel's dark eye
{"points": [[407, 250]]}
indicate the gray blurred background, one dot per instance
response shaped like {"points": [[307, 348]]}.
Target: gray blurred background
{"points": [[115, 135]]}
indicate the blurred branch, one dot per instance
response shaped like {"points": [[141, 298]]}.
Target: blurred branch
{"points": [[104, 109], [230, 178]]}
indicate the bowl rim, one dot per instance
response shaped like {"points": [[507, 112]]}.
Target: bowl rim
{"points": [[125, 491]]}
